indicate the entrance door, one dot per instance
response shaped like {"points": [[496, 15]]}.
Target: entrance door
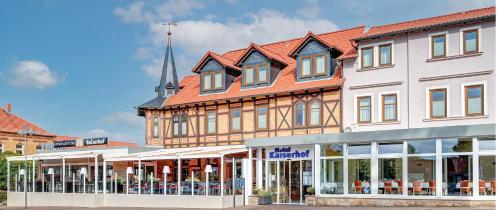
{"points": [[293, 178]]}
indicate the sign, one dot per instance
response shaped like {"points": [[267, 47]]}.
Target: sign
{"points": [[288, 153], [65, 143], [95, 141]]}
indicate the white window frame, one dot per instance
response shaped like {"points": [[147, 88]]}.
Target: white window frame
{"points": [[485, 95], [356, 96], [381, 105], [479, 47], [376, 53], [344, 169], [447, 35], [428, 100]]}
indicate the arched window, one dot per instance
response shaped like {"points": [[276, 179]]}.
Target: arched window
{"points": [[184, 119], [300, 114], [315, 113], [176, 125], [156, 123]]}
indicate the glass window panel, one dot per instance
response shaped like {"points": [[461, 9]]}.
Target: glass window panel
{"points": [[306, 67], [470, 41], [262, 117], [184, 124], [207, 81], [155, 126], [387, 148], [331, 150], [367, 57], [315, 113], [421, 146], [332, 176], [235, 119], [487, 175], [474, 106], [487, 143], [474, 99], [457, 145], [390, 108], [211, 122], [218, 80], [438, 109], [474, 92], [359, 149], [385, 55], [390, 174], [320, 64], [299, 114], [359, 176], [422, 175], [262, 73], [438, 45], [364, 107], [249, 75], [457, 175], [176, 125]]}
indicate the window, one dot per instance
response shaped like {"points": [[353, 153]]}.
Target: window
{"points": [[389, 107], [364, 109], [184, 119], [474, 100], [471, 41], [438, 46], [457, 166], [1, 148], [207, 81], [453, 145], [262, 73], [390, 175], [19, 149], [421, 146], [211, 122], [438, 103], [261, 117], [385, 54], [390, 148], [359, 176], [299, 114], [332, 169], [305, 69], [332, 150], [248, 76], [487, 143], [367, 57], [217, 80], [422, 175], [156, 123], [487, 175], [320, 65], [359, 149], [235, 120], [38, 147], [315, 113], [176, 125]]}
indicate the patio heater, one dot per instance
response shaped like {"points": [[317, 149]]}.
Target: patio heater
{"points": [[208, 169], [51, 173], [130, 170], [166, 170], [83, 171]]}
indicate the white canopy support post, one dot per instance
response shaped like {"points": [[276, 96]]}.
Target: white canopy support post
{"points": [[17, 183], [34, 175], [192, 183], [127, 183], [222, 175], [52, 181], [73, 183], [8, 176], [140, 178], [179, 165], [258, 168], [151, 183], [104, 184], [249, 175], [164, 183], [96, 175], [84, 179], [63, 175], [43, 180], [207, 185], [116, 182]]}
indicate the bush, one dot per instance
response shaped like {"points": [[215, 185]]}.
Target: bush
{"points": [[264, 193], [310, 190], [3, 196], [14, 167]]}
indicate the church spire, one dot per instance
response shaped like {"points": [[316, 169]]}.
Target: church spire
{"points": [[168, 54]]}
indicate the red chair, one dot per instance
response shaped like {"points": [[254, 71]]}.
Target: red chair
{"points": [[387, 186], [432, 187], [357, 186], [482, 186], [417, 187], [400, 186], [493, 186], [464, 187]]}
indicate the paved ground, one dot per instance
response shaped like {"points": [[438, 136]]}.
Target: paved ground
{"points": [[267, 207]]}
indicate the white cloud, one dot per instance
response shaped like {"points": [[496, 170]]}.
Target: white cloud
{"points": [[32, 74], [310, 10], [462, 5], [136, 12], [358, 7], [124, 118]]}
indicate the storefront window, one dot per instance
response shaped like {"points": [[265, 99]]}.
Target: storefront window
{"points": [[421, 146], [457, 145], [389, 148], [359, 149], [457, 175], [332, 176], [390, 174], [332, 150], [487, 181], [487, 143], [422, 175], [359, 176]]}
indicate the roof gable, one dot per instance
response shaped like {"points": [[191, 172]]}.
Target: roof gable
{"points": [[12, 123], [267, 53], [310, 36], [225, 62]]}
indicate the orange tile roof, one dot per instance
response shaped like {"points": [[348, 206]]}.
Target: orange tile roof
{"points": [[12, 123], [285, 82], [426, 22]]}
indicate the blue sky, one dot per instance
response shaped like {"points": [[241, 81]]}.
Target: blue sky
{"points": [[79, 67]]}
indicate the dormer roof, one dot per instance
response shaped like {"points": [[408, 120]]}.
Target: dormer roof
{"points": [[270, 55], [311, 36], [226, 62]]}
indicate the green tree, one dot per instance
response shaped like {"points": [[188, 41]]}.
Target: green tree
{"points": [[14, 167]]}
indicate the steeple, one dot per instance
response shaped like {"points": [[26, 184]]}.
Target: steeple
{"points": [[168, 54]]}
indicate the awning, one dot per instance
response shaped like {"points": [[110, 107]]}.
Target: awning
{"points": [[70, 154]]}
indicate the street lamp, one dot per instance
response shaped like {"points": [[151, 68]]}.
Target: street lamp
{"points": [[130, 170], [25, 131], [166, 170], [208, 169]]}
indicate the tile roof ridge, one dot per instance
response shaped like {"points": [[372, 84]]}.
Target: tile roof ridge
{"points": [[433, 17]]}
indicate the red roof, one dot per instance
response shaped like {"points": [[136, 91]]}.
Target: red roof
{"points": [[426, 22], [222, 60], [285, 82], [267, 53], [12, 123]]}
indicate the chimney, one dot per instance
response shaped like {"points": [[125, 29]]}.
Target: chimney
{"points": [[8, 107]]}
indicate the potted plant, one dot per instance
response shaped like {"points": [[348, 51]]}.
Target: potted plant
{"points": [[310, 199], [260, 197]]}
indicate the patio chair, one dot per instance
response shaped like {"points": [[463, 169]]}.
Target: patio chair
{"points": [[493, 186], [417, 187], [357, 186], [482, 186], [400, 186], [432, 187], [464, 187], [388, 186]]}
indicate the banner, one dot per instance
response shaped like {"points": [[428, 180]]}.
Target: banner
{"points": [[65, 143], [95, 141]]}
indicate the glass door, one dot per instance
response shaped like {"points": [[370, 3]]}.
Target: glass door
{"points": [[289, 180], [273, 185], [284, 189], [295, 181]]}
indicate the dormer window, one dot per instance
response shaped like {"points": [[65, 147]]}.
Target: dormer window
{"points": [[320, 65], [255, 74], [262, 73], [305, 71], [212, 80], [248, 77], [316, 68]]}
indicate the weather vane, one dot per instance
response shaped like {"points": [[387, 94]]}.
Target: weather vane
{"points": [[170, 24]]}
